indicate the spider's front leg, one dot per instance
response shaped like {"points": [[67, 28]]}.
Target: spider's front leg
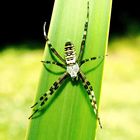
{"points": [[84, 35], [50, 45], [91, 95], [46, 95]]}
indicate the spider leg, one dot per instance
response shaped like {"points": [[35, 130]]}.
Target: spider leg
{"points": [[91, 95], [84, 35], [50, 45], [90, 59], [55, 63], [48, 94]]}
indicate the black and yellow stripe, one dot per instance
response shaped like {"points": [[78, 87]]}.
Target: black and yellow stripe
{"points": [[70, 54]]}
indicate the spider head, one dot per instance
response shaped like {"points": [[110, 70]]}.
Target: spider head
{"points": [[70, 54]]}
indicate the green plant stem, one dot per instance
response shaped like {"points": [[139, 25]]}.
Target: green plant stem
{"points": [[68, 114]]}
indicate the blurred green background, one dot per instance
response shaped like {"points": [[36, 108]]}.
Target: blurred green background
{"points": [[120, 100], [20, 69]]}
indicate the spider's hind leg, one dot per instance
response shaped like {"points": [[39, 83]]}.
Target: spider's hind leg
{"points": [[91, 95], [45, 96], [41, 98]]}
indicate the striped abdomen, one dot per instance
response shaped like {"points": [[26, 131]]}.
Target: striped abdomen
{"points": [[70, 54]]}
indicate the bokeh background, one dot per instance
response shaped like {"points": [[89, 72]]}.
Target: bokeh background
{"points": [[21, 49]]}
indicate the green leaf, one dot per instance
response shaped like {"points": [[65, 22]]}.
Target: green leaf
{"points": [[68, 114]]}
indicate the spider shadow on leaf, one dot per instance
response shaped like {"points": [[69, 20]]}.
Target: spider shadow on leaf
{"points": [[51, 71]]}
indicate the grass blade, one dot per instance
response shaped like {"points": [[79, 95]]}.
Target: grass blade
{"points": [[68, 114]]}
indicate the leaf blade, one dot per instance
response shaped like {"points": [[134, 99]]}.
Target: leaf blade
{"points": [[69, 114]]}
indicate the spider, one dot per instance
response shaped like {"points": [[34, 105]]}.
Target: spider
{"points": [[72, 65]]}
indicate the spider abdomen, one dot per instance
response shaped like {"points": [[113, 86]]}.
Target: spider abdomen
{"points": [[70, 54]]}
